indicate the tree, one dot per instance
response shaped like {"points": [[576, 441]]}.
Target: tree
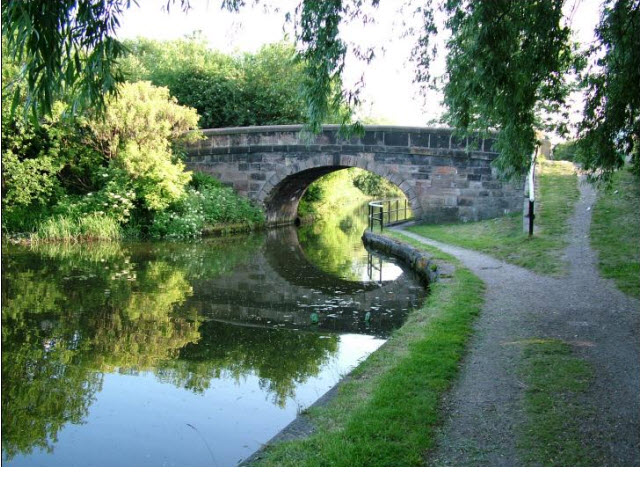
{"points": [[611, 124], [505, 65], [69, 48], [39, 161], [264, 88]]}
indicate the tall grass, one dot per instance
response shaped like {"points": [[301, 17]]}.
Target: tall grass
{"points": [[67, 229]]}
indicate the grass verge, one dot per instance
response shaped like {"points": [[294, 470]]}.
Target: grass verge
{"points": [[386, 411], [67, 229], [615, 232], [503, 237], [555, 379]]}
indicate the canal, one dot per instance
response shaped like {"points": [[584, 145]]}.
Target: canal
{"points": [[185, 354]]}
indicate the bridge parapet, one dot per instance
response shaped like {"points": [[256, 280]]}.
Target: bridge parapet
{"points": [[445, 177], [376, 138]]}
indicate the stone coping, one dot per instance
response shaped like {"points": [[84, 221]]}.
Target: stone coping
{"points": [[328, 127], [390, 136], [419, 261]]}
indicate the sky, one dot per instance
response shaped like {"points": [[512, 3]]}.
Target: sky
{"points": [[389, 93]]}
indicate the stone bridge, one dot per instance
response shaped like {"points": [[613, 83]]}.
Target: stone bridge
{"points": [[445, 178]]}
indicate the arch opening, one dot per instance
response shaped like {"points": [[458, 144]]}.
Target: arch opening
{"points": [[282, 199]]}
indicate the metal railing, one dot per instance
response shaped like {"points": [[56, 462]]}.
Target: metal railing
{"points": [[388, 211]]}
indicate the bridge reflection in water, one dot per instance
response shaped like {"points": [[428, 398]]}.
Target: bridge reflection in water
{"points": [[104, 345], [282, 287]]}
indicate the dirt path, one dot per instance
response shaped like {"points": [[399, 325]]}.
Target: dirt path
{"points": [[485, 408]]}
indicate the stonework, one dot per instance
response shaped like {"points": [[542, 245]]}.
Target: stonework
{"points": [[445, 178]]}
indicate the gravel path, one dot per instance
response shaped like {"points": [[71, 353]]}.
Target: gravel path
{"points": [[484, 408]]}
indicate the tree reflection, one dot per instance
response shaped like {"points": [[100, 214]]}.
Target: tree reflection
{"points": [[330, 243], [280, 358], [70, 314], [44, 385]]}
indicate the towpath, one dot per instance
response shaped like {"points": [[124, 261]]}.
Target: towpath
{"points": [[484, 409]]}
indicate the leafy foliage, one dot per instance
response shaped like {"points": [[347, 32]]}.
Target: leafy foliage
{"points": [[324, 56], [70, 49], [206, 203], [265, 88], [611, 124], [375, 185], [506, 64], [107, 165], [565, 151], [82, 178], [40, 164], [136, 134]]}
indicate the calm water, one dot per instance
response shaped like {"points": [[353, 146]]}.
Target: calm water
{"points": [[185, 353]]}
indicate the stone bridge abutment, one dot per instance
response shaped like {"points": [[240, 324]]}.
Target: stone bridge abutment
{"points": [[444, 178]]}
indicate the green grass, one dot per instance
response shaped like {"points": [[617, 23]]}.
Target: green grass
{"points": [[67, 229], [387, 410], [553, 433], [615, 232], [503, 237]]}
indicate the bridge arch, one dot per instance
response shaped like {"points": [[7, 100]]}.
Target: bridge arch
{"points": [[445, 178], [281, 200]]}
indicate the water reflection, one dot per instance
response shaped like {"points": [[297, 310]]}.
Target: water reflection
{"points": [[334, 245], [106, 344]]}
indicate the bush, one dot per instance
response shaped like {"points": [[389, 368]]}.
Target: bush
{"points": [[264, 88], [209, 204], [184, 219], [223, 205], [315, 193], [375, 185], [201, 180], [137, 134], [565, 151]]}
